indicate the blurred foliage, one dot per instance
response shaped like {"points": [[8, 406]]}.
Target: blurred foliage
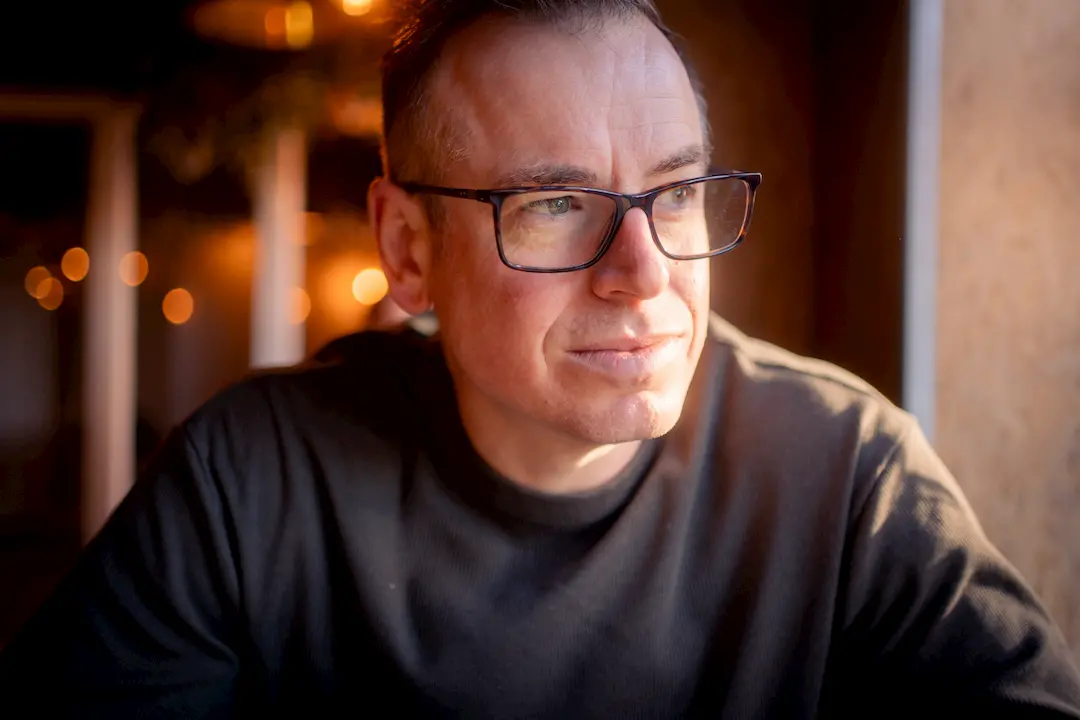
{"points": [[212, 104]]}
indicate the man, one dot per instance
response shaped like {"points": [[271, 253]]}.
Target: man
{"points": [[586, 497]]}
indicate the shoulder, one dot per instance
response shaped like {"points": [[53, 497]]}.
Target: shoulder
{"points": [[764, 362], [801, 411], [277, 449], [368, 383]]}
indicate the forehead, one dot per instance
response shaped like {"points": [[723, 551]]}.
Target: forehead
{"points": [[611, 96]]}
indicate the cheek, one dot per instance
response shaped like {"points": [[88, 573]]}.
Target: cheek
{"points": [[495, 320], [690, 281]]}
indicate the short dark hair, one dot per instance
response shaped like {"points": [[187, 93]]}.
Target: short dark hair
{"points": [[412, 141]]}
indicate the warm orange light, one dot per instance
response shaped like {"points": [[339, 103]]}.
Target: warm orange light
{"points": [[50, 293], [357, 115], [301, 306], [356, 7], [299, 24], [178, 306], [35, 280], [369, 286], [75, 264], [314, 227], [275, 22], [133, 268]]}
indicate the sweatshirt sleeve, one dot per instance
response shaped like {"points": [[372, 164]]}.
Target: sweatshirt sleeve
{"points": [[145, 625], [935, 619]]}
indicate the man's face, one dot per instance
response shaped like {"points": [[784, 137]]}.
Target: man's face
{"points": [[603, 355]]}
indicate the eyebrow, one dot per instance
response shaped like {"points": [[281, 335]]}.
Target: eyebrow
{"points": [[686, 157], [547, 174]]}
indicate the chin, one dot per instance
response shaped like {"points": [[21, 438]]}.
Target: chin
{"points": [[641, 416]]}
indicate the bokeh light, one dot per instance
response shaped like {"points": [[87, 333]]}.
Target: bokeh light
{"points": [[134, 268], [369, 286], [75, 264], [299, 24], [35, 280], [50, 293], [178, 306], [301, 306], [275, 22], [356, 7]]}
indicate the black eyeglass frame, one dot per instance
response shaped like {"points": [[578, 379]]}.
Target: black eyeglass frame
{"points": [[624, 203]]}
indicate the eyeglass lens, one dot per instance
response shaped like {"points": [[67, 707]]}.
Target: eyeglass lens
{"points": [[563, 229]]}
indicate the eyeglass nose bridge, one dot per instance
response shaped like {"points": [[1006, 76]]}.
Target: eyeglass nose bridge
{"points": [[624, 204]]}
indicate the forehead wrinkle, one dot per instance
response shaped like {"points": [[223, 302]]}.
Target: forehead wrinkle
{"points": [[652, 84], [657, 68], [648, 111]]}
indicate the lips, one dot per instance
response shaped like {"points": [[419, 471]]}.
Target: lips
{"points": [[630, 358], [627, 344]]}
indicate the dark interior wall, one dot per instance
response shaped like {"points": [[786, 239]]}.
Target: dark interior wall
{"points": [[755, 60], [859, 174], [811, 94], [199, 236], [42, 177], [182, 366]]}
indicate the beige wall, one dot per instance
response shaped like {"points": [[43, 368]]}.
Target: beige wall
{"points": [[1009, 314]]}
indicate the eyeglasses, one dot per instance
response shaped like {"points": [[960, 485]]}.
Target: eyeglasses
{"points": [[559, 228]]}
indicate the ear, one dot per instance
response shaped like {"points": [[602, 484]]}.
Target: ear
{"points": [[404, 239]]}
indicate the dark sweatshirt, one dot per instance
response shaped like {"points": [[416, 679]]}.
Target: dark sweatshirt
{"points": [[325, 541]]}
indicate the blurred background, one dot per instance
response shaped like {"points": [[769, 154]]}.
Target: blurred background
{"points": [[182, 190]]}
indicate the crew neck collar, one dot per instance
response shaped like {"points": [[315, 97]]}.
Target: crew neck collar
{"points": [[465, 472]]}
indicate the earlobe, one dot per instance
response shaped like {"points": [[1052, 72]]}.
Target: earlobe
{"points": [[402, 235]]}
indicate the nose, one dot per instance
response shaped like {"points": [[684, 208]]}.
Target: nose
{"points": [[633, 267]]}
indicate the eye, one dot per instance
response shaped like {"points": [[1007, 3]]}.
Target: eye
{"points": [[551, 206], [684, 194]]}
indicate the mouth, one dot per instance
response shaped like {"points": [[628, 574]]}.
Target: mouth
{"points": [[630, 358]]}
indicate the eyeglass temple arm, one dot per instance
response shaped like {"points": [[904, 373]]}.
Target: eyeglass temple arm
{"points": [[414, 188]]}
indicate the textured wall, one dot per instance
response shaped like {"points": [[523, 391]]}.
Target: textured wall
{"points": [[1009, 322]]}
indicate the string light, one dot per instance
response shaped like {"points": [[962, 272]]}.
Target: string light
{"points": [[75, 264], [178, 306], [134, 268], [35, 280], [50, 293]]}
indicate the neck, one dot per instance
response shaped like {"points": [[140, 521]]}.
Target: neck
{"points": [[536, 456]]}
